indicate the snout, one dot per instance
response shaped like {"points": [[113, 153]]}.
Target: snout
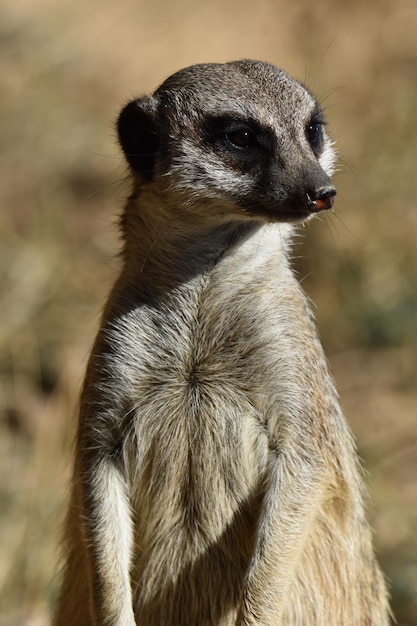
{"points": [[290, 194], [321, 198]]}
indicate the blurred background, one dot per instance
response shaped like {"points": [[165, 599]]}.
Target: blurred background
{"points": [[66, 69]]}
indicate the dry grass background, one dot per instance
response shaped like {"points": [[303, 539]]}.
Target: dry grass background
{"points": [[66, 68]]}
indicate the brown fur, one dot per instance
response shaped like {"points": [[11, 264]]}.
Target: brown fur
{"points": [[216, 482]]}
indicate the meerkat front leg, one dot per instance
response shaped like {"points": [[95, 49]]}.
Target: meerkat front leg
{"points": [[290, 502], [108, 536]]}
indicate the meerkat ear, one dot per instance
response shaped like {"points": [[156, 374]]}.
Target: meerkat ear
{"points": [[138, 135]]}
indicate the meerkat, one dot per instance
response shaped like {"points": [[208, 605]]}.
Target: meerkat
{"points": [[216, 482]]}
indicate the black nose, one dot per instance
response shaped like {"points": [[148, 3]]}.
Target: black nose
{"points": [[322, 198], [324, 192]]}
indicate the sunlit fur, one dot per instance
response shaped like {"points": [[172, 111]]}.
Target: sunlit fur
{"points": [[216, 482]]}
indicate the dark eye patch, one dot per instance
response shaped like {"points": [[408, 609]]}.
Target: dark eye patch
{"points": [[243, 142]]}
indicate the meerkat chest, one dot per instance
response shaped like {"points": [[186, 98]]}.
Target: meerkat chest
{"points": [[188, 370]]}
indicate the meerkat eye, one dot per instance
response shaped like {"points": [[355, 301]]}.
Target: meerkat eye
{"points": [[242, 143], [232, 134], [241, 138], [314, 132]]}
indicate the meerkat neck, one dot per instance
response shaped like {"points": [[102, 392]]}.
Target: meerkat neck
{"points": [[169, 254]]}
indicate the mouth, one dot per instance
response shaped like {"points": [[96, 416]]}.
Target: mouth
{"points": [[288, 214], [320, 204]]}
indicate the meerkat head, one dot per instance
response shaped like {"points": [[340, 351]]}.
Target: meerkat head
{"points": [[240, 140]]}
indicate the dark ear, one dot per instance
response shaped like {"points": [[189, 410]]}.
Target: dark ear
{"points": [[138, 135]]}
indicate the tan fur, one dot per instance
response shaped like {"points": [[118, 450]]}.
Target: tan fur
{"points": [[216, 482]]}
